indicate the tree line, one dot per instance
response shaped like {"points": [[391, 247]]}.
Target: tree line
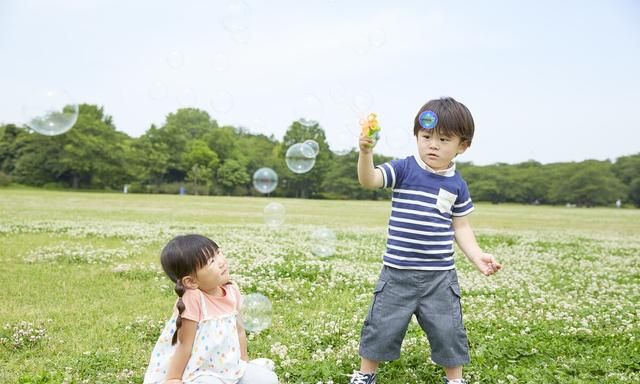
{"points": [[190, 150]]}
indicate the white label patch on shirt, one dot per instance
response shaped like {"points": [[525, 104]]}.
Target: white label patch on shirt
{"points": [[445, 200]]}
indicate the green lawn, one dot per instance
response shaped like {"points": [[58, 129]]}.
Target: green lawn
{"points": [[565, 309]]}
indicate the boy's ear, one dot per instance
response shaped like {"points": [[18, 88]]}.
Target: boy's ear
{"points": [[190, 282], [463, 146]]}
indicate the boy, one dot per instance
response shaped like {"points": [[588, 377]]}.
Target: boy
{"points": [[428, 210]]}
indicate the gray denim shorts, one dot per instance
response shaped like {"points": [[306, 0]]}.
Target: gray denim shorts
{"points": [[434, 297]]}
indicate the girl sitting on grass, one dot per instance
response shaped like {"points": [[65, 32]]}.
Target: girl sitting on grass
{"points": [[204, 341]]}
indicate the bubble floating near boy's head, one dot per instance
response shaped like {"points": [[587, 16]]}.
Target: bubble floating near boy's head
{"points": [[428, 119], [447, 117]]}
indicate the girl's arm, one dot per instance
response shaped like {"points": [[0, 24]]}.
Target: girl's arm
{"points": [[466, 239], [180, 358], [242, 336]]}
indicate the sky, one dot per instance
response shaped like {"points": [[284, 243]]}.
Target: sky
{"points": [[551, 81]]}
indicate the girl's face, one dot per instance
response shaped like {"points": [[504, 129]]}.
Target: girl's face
{"points": [[213, 275]]}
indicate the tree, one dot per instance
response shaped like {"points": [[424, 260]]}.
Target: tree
{"points": [[201, 162], [592, 183], [149, 159], [232, 174], [180, 128], [93, 151], [11, 137], [306, 184], [627, 169], [91, 154], [634, 192]]}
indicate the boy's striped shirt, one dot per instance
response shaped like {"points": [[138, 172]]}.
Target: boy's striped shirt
{"points": [[420, 233]]}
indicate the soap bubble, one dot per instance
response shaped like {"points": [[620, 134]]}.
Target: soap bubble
{"points": [[274, 214], [300, 158], [265, 180], [323, 242], [308, 108], [236, 17], [51, 113], [221, 102], [255, 312], [175, 59], [314, 145]]}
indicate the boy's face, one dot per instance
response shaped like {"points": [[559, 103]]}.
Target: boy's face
{"points": [[437, 151]]}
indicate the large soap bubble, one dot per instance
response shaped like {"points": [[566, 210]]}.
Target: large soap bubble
{"points": [[255, 312], [323, 242], [300, 158], [51, 113], [265, 180], [274, 214]]}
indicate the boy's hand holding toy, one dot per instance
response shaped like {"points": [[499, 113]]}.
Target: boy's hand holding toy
{"points": [[370, 128]]}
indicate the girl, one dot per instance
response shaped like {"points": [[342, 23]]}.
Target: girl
{"points": [[204, 341]]}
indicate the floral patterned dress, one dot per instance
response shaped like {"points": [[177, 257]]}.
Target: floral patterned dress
{"points": [[215, 355]]}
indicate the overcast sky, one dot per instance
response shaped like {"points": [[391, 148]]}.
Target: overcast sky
{"points": [[552, 81]]}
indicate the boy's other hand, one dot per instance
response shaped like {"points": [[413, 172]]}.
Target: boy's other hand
{"points": [[487, 264], [365, 144]]}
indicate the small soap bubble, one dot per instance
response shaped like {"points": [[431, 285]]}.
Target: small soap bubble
{"points": [[255, 312], [175, 59], [308, 107], [221, 102], [274, 214], [323, 242], [265, 180], [236, 16], [314, 145]]}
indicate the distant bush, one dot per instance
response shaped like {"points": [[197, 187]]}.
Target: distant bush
{"points": [[4, 179], [55, 186]]}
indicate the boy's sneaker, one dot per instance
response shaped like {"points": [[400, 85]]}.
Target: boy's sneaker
{"points": [[362, 378], [455, 381]]}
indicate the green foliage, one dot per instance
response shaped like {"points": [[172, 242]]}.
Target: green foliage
{"points": [[232, 174], [4, 179], [307, 184], [190, 149]]}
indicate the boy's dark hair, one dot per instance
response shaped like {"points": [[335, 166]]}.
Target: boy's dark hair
{"points": [[454, 119], [181, 257]]}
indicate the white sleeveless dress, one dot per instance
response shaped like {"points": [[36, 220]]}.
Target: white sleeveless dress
{"points": [[216, 350]]}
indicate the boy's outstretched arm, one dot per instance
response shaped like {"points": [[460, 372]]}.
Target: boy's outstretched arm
{"points": [[368, 176], [466, 239]]}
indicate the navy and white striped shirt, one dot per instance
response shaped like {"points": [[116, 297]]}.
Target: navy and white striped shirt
{"points": [[422, 207]]}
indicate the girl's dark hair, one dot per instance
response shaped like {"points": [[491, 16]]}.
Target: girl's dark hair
{"points": [[181, 257], [454, 119]]}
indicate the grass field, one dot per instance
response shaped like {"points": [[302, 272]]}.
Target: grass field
{"points": [[83, 298]]}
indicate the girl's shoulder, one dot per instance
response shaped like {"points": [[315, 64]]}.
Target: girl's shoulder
{"points": [[234, 291], [192, 300], [233, 287]]}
